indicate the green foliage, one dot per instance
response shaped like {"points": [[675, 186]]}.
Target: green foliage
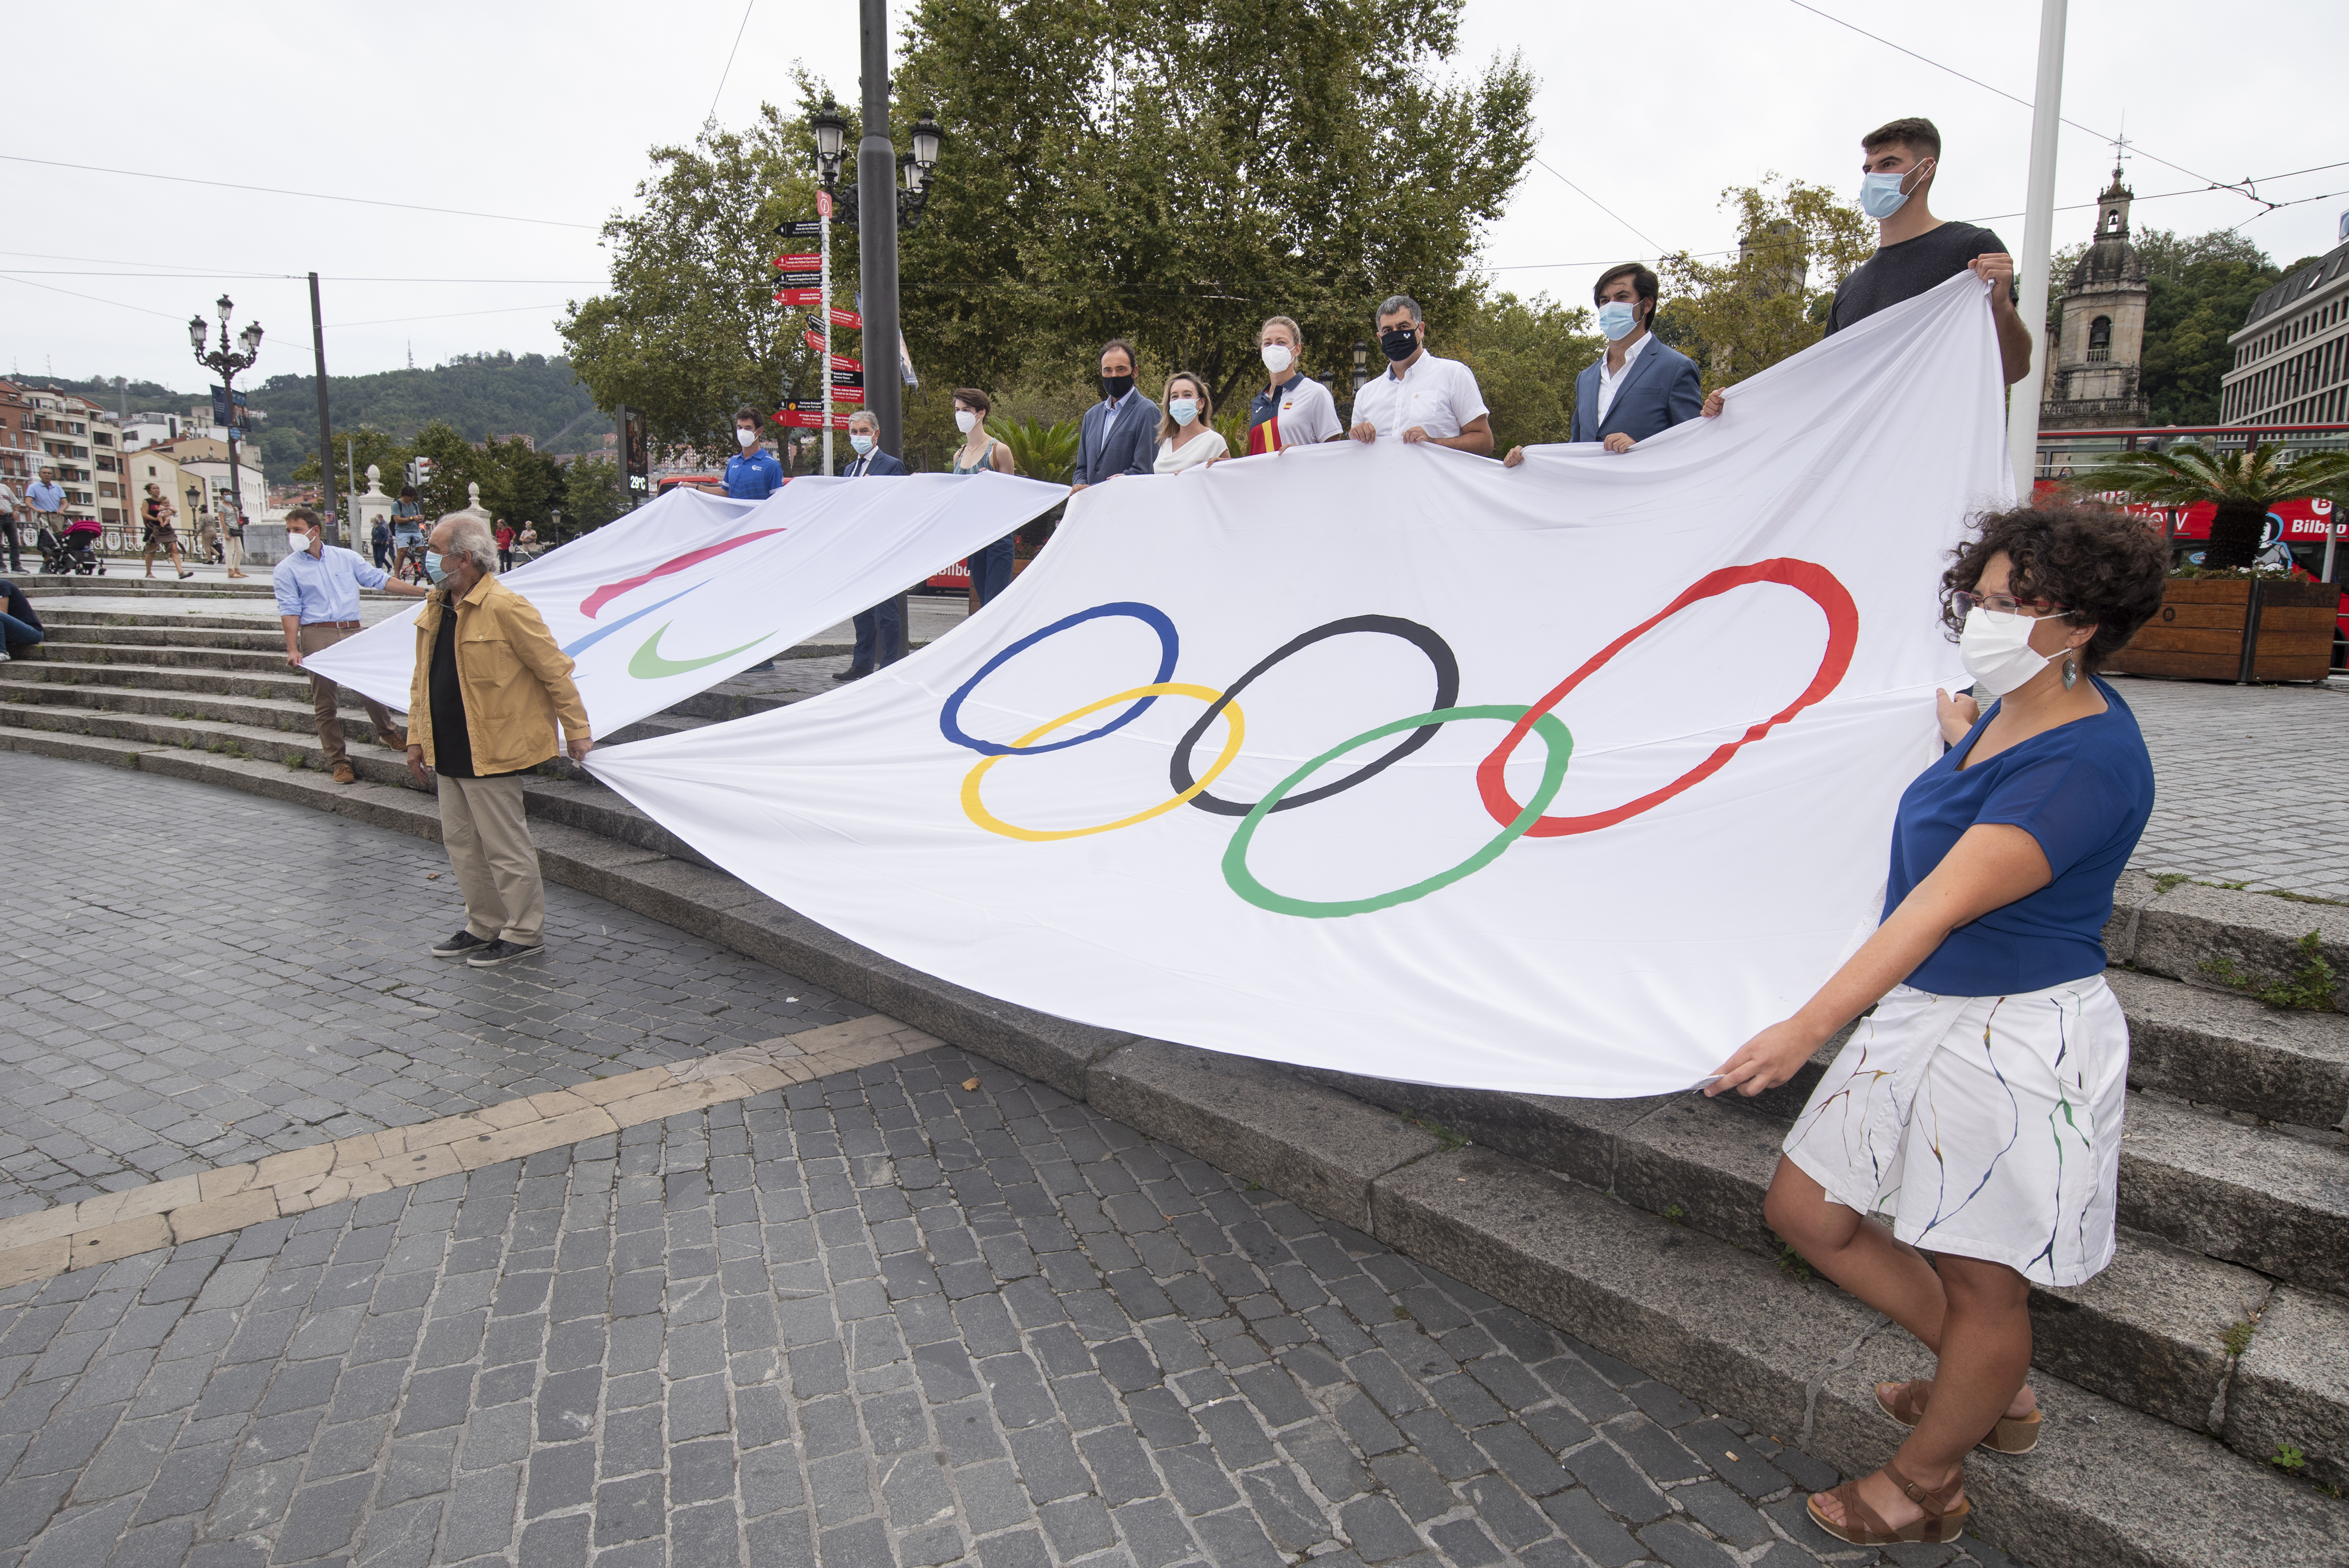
{"points": [[480, 395], [689, 331], [2198, 290], [2309, 988], [1790, 1264], [1038, 450], [2168, 880], [2242, 484], [1739, 317], [1174, 175], [374, 448], [2238, 1338], [1526, 354], [1446, 1138], [517, 483], [2288, 1457], [1675, 1214], [593, 494]]}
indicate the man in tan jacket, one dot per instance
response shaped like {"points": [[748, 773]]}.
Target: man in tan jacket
{"points": [[490, 686]]}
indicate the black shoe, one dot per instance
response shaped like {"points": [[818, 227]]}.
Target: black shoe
{"points": [[503, 951], [457, 946], [850, 675]]}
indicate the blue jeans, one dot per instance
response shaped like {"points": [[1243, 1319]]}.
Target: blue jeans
{"points": [[877, 631], [15, 632], [990, 569]]}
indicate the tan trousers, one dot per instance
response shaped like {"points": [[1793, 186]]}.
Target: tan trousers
{"points": [[233, 553], [488, 840], [325, 696]]}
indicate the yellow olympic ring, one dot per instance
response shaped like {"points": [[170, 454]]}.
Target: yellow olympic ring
{"points": [[1233, 728]]}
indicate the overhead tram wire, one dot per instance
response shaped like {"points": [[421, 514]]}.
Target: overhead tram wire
{"points": [[1602, 206], [2236, 186], [711, 118], [311, 195]]}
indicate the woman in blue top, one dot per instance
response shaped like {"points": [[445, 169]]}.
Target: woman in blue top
{"points": [[1979, 1104]]}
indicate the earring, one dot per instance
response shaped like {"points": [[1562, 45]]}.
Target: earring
{"points": [[2071, 671]]}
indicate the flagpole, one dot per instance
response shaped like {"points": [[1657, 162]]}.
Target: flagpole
{"points": [[2038, 240]]}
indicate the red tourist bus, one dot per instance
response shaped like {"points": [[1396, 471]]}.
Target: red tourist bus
{"points": [[2311, 534]]}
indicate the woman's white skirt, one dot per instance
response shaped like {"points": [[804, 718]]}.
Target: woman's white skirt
{"points": [[1987, 1127]]}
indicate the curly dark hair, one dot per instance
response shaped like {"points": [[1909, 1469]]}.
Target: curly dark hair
{"points": [[2107, 568]]}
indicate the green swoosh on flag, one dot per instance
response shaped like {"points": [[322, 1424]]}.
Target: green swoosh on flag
{"points": [[649, 665]]}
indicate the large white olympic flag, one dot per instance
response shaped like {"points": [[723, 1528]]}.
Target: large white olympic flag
{"points": [[683, 593], [1562, 779]]}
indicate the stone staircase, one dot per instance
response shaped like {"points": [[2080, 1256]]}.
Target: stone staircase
{"points": [[2214, 1347]]}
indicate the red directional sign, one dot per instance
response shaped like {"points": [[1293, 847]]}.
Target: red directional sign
{"points": [[800, 296], [842, 362], [798, 262], [813, 340], [797, 420], [823, 203], [846, 318], [848, 394]]}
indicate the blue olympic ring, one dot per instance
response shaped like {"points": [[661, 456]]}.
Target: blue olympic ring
{"points": [[1155, 619]]}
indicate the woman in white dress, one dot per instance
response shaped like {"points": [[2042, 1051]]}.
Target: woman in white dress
{"points": [[1186, 439]]}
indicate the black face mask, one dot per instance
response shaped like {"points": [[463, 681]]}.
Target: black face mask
{"points": [[1399, 343], [1116, 386]]}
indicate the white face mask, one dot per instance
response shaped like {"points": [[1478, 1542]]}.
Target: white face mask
{"points": [[965, 421], [297, 541], [1277, 358], [1996, 651], [862, 442], [749, 438]]}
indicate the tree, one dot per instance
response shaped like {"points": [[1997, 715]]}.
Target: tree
{"points": [[374, 449], [1173, 175], [2242, 485], [2198, 291], [1737, 318], [593, 494], [1526, 354], [689, 331]]}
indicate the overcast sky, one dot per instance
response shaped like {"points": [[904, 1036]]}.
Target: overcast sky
{"points": [[545, 112]]}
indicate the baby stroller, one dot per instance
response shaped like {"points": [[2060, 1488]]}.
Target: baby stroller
{"points": [[64, 557]]}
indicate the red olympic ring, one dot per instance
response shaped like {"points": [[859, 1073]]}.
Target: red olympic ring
{"points": [[1842, 636]]}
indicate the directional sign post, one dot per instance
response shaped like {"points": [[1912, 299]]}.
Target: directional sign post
{"points": [[822, 301]]}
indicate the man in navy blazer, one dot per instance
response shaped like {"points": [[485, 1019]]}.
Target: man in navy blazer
{"points": [[880, 634], [1119, 435], [1641, 384]]}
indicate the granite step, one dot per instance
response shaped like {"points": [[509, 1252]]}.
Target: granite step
{"points": [[2109, 1485], [2224, 1050], [264, 703], [258, 655]]}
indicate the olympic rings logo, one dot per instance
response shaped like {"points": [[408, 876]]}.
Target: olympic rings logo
{"points": [[1516, 820]]}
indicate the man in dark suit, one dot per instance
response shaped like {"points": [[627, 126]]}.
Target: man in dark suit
{"points": [[1119, 435], [880, 634], [1641, 386]]}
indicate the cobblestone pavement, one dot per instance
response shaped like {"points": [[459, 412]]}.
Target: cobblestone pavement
{"points": [[2251, 783], [195, 977], [877, 1319]]}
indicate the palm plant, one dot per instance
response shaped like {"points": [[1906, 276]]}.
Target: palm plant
{"points": [[1041, 451], [2242, 485]]}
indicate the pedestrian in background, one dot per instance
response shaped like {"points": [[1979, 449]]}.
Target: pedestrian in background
{"points": [[232, 529], [8, 525], [47, 498], [1993, 1068], [491, 686], [1186, 438], [526, 542], [19, 626], [992, 565], [1420, 397], [505, 538], [407, 535], [1295, 409], [156, 511], [880, 634], [753, 473], [318, 586], [1114, 437], [380, 536]]}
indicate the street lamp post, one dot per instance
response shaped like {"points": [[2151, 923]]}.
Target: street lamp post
{"points": [[225, 363]]}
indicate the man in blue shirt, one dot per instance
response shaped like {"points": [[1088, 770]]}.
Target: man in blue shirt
{"points": [[753, 474], [317, 590], [48, 499]]}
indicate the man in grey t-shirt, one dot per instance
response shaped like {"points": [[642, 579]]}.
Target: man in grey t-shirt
{"points": [[1916, 251]]}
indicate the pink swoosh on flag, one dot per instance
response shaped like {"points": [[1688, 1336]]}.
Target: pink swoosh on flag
{"points": [[611, 590]]}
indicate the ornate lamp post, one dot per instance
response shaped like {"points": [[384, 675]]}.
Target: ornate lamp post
{"points": [[1361, 362], [226, 362]]}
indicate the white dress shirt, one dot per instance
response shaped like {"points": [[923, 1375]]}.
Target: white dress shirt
{"points": [[1438, 395], [1610, 379]]}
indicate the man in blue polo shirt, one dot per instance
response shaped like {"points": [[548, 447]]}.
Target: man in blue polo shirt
{"points": [[319, 602], [753, 474]]}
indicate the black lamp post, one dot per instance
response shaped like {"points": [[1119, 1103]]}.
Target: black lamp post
{"points": [[225, 363], [1361, 363]]}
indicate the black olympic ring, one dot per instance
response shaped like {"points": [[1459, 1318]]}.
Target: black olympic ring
{"points": [[1447, 695]]}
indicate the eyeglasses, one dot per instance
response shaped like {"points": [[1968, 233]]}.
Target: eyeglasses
{"points": [[2004, 604]]}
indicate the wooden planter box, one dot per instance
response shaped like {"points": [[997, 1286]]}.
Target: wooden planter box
{"points": [[2201, 630]]}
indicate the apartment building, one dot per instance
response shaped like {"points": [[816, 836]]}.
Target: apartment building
{"points": [[2291, 355]]}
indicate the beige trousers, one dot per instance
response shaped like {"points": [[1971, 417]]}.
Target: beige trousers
{"points": [[325, 696], [488, 840], [233, 553]]}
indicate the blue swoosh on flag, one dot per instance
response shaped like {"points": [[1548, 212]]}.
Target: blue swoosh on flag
{"points": [[600, 632]]}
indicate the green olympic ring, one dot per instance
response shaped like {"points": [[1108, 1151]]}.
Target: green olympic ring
{"points": [[1556, 740]]}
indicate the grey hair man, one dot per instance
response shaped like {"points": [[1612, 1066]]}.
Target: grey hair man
{"points": [[880, 633], [490, 686], [1420, 397]]}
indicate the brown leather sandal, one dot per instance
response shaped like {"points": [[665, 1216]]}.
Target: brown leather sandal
{"points": [[1863, 1526], [2013, 1435]]}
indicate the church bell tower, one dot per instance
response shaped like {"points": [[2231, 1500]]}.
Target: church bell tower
{"points": [[2093, 382]]}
